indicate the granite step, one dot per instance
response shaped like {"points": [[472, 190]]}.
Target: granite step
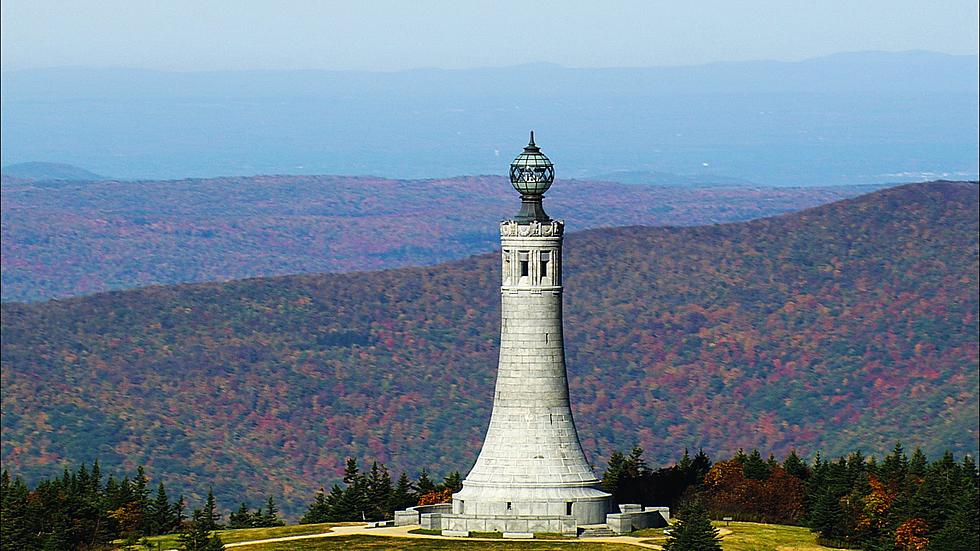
{"points": [[596, 532]]}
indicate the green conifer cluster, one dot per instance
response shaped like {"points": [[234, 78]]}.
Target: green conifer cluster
{"points": [[371, 496]]}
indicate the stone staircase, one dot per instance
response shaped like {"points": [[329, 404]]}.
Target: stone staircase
{"points": [[595, 531]]}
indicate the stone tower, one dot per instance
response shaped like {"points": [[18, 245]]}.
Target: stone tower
{"points": [[532, 465]]}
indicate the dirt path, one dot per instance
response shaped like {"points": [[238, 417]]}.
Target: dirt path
{"points": [[403, 532]]}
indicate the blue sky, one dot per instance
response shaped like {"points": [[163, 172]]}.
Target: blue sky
{"points": [[195, 35]]}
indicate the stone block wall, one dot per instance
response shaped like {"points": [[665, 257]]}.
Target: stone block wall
{"points": [[511, 524], [635, 517]]}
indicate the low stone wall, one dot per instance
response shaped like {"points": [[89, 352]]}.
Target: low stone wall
{"points": [[413, 515], [635, 517], [566, 525]]}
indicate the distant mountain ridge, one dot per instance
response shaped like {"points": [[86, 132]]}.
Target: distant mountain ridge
{"points": [[842, 119], [60, 241], [49, 171], [846, 326]]}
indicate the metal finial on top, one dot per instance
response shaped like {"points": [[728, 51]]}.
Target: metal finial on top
{"points": [[531, 174]]}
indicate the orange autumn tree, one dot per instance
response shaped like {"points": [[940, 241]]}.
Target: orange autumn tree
{"points": [[436, 496], [911, 535], [778, 498]]}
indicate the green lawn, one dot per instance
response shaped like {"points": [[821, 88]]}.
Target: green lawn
{"points": [[744, 536], [379, 543], [251, 534], [169, 541], [751, 536]]}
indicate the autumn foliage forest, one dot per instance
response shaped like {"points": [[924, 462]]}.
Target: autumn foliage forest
{"points": [[64, 239], [845, 327]]}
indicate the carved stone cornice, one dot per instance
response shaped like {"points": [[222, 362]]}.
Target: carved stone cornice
{"points": [[552, 228]]}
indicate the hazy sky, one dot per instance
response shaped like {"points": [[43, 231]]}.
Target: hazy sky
{"points": [[391, 35]]}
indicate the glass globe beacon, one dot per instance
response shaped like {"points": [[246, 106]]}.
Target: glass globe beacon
{"points": [[532, 173]]}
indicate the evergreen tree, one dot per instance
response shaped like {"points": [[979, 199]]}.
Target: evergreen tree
{"points": [[241, 518], [918, 464], [794, 466], [179, 509], [197, 536], [827, 517], [211, 514], [895, 466], [161, 513], [379, 492], [693, 531], [141, 496], [699, 467], [961, 531], [319, 510], [453, 481], [351, 472], [402, 496], [15, 520], [613, 477], [754, 467], [424, 484], [636, 466], [271, 515]]}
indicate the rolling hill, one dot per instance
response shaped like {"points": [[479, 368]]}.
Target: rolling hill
{"points": [[68, 240], [850, 325], [50, 171]]}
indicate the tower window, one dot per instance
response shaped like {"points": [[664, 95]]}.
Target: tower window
{"points": [[568, 508], [509, 508], [522, 258], [545, 259]]}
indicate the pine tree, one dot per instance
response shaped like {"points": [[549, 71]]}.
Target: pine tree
{"points": [[424, 484], [754, 467], [15, 518], [895, 466], [211, 514], [161, 513], [241, 518], [693, 531], [699, 468], [918, 464], [827, 516], [794, 466], [197, 536], [402, 496], [612, 479], [179, 509], [271, 515], [379, 492], [351, 472], [319, 510], [453, 481], [961, 532], [141, 496]]}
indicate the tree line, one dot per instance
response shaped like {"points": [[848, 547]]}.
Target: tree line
{"points": [[896, 503], [81, 510], [372, 496], [899, 502]]}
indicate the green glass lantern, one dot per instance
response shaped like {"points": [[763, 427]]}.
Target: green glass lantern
{"points": [[531, 174]]}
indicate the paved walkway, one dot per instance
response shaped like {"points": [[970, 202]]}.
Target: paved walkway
{"points": [[403, 532]]}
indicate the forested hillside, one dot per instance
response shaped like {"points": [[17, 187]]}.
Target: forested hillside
{"points": [[847, 326], [68, 238]]}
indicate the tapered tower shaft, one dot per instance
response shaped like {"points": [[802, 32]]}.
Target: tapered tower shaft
{"points": [[532, 462]]}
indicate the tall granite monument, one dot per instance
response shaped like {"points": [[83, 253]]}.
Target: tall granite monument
{"points": [[532, 466]]}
